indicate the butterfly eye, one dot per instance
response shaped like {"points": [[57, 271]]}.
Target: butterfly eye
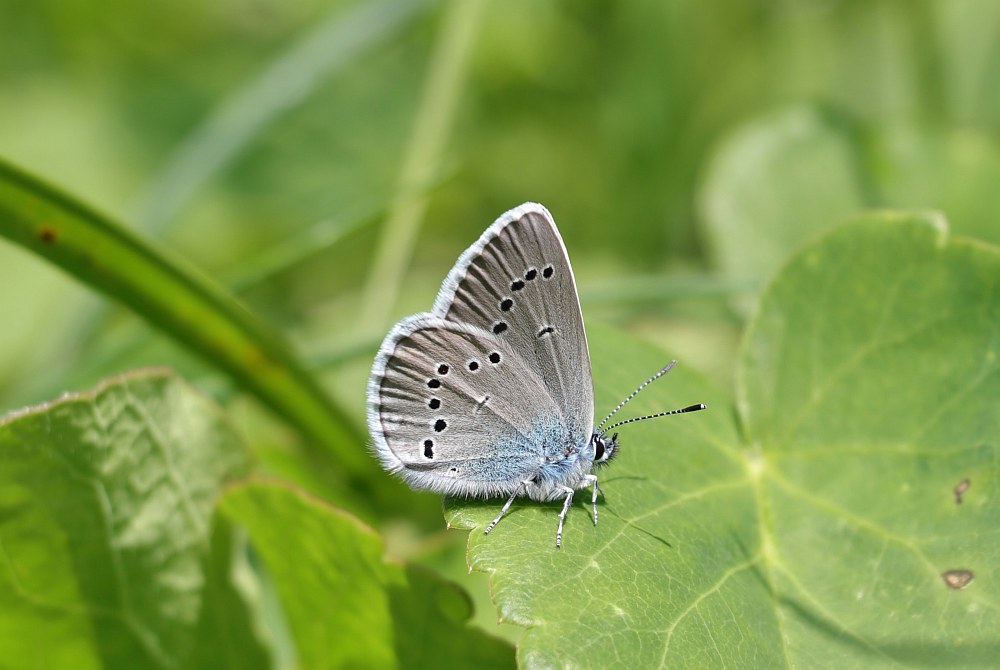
{"points": [[604, 448], [599, 450]]}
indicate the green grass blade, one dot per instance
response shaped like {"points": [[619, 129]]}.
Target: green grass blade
{"points": [[441, 93], [180, 301]]}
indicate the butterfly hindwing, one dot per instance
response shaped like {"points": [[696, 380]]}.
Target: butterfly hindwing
{"points": [[447, 409]]}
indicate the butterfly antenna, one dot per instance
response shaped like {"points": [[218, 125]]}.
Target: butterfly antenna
{"points": [[689, 408], [665, 370]]}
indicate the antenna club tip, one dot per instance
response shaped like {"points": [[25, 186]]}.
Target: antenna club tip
{"points": [[695, 408]]}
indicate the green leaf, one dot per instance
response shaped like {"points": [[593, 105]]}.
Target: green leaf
{"points": [[108, 557], [870, 383], [820, 531], [777, 182], [954, 170], [346, 605], [786, 176], [678, 511]]}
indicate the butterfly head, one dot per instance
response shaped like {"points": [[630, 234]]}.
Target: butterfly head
{"points": [[605, 448]]}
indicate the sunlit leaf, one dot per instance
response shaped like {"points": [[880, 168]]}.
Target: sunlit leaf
{"points": [[347, 606], [108, 558], [817, 523]]}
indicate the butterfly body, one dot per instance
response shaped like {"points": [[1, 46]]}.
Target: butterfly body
{"points": [[490, 393]]}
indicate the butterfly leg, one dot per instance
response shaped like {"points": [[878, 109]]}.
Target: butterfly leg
{"points": [[562, 515], [592, 480], [506, 506]]}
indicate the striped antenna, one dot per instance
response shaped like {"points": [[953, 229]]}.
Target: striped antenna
{"points": [[665, 370], [689, 408]]}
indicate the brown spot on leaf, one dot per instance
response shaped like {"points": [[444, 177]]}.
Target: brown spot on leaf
{"points": [[961, 488], [957, 579]]}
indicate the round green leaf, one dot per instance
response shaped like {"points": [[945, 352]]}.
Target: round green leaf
{"points": [[789, 175], [954, 170], [815, 525], [869, 389], [777, 182]]}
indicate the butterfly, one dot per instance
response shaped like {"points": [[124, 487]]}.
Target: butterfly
{"points": [[490, 394]]}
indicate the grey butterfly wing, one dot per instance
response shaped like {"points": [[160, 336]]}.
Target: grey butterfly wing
{"points": [[517, 283], [447, 411]]}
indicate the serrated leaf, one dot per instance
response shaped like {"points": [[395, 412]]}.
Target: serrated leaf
{"points": [[822, 533], [346, 605], [107, 554]]}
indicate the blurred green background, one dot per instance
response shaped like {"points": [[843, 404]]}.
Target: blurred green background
{"points": [[328, 161]]}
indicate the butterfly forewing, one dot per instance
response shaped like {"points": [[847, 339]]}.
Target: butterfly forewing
{"points": [[517, 283]]}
